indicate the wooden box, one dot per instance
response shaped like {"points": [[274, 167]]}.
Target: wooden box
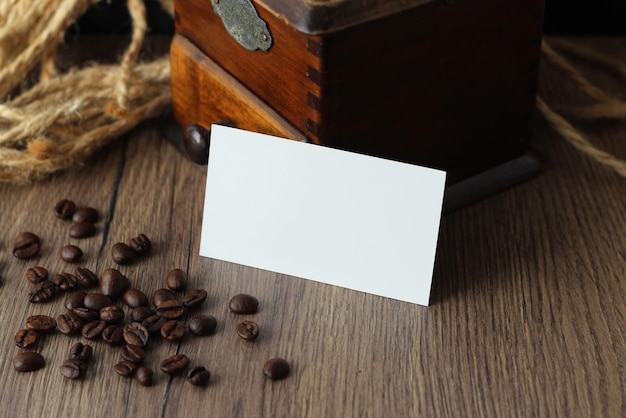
{"points": [[448, 84]]}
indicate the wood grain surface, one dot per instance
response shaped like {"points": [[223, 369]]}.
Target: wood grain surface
{"points": [[528, 313]]}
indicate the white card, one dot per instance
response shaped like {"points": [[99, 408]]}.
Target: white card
{"points": [[322, 214]]}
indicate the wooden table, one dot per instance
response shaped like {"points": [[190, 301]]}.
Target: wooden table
{"points": [[528, 314]]}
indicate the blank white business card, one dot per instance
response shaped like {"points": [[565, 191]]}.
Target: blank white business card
{"points": [[322, 214]]}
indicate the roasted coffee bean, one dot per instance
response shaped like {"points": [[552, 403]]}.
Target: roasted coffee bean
{"points": [[112, 314], [141, 245], [202, 324], [198, 376], [64, 209], [113, 283], [66, 325], [71, 254], [154, 323], [176, 279], [243, 304], [40, 323], [170, 309], [144, 376], [196, 140], [75, 299], [86, 277], [276, 368], [37, 274], [86, 314], [161, 295], [97, 301], [135, 298], [93, 329], [28, 361], [125, 368], [133, 353], [140, 313], [122, 254], [83, 230], [72, 369], [26, 245], [86, 215], [81, 352], [173, 330], [248, 330], [174, 364], [136, 334], [43, 292], [65, 281], [25, 338], [113, 335], [194, 298]]}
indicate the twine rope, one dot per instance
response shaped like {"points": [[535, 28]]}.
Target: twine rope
{"points": [[606, 107], [63, 119]]}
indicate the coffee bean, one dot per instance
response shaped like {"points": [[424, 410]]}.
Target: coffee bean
{"points": [[81, 352], [82, 230], [161, 295], [154, 323], [198, 376], [202, 324], [25, 338], [86, 278], [40, 323], [65, 281], [135, 298], [173, 330], [37, 274], [170, 309], [136, 334], [97, 301], [122, 254], [93, 329], [174, 364], [248, 330], [133, 353], [125, 368], [28, 361], [112, 314], [243, 304], [196, 140], [75, 300], [113, 283], [26, 245], [194, 298], [140, 313], [141, 245], [43, 292], [86, 314], [64, 209], [72, 369], [65, 324], [144, 376], [276, 368], [71, 254], [176, 279], [113, 335], [86, 215]]}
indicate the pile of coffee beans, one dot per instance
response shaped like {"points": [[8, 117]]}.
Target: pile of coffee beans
{"points": [[101, 314]]}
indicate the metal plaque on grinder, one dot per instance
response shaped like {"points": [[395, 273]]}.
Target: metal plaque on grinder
{"points": [[243, 23]]}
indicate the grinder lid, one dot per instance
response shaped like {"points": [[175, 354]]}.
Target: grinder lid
{"points": [[318, 17]]}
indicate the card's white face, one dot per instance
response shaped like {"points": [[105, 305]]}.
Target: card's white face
{"points": [[322, 214]]}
